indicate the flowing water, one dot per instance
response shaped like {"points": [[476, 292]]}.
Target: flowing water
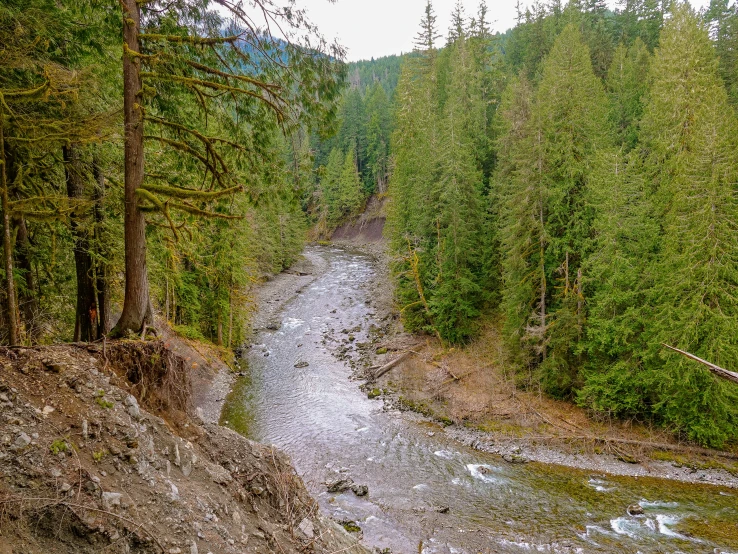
{"points": [[329, 427]]}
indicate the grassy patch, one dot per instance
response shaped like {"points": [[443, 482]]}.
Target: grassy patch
{"points": [[107, 404], [59, 445], [351, 526], [423, 409]]}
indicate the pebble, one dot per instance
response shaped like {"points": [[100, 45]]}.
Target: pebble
{"points": [[307, 528], [360, 490], [21, 441], [339, 485], [132, 407], [111, 499]]}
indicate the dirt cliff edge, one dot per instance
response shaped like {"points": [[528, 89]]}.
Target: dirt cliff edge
{"points": [[86, 467]]}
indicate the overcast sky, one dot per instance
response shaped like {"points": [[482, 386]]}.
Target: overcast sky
{"points": [[375, 28]]}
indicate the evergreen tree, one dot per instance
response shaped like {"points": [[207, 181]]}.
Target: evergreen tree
{"points": [[415, 143], [620, 276], [550, 238], [690, 132], [627, 85], [458, 23], [377, 138], [455, 295]]}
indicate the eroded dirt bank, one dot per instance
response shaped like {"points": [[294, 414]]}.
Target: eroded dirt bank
{"points": [[86, 467]]}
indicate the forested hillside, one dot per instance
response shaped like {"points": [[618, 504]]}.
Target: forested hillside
{"points": [[165, 175], [354, 163], [572, 181], [575, 180]]}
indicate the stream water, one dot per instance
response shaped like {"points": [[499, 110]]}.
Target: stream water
{"points": [[318, 415]]}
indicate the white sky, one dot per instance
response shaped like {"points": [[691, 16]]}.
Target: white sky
{"points": [[376, 28]]}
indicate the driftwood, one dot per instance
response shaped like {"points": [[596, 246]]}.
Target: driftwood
{"points": [[386, 367], [717, 370]]}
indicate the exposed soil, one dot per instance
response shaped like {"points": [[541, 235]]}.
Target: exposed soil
{"points": [[86, 467]]}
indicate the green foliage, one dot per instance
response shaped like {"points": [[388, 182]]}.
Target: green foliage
{"points": [[675, 279], [59, 445], [594, 184]]}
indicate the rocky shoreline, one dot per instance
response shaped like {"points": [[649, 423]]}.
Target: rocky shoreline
{"points": [[513, 451]]}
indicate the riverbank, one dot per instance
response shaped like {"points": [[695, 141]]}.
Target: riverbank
{"points": [[99, 451], [472, 395], [269, 299]]}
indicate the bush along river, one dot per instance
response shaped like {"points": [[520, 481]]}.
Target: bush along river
{"points": [[425, 492]]}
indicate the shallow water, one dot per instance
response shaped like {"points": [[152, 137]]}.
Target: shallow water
{"points": [[329, 427]]}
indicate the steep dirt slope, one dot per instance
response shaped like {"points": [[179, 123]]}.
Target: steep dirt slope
{"points": [[85, 468]]}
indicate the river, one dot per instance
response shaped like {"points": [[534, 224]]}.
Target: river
{"points": [[300, 397]]}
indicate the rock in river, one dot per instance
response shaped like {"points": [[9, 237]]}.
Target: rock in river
{"points": [[635, 510], [360, 490], [339, 485]]}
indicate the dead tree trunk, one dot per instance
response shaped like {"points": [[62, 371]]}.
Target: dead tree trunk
{"points": [[136, 304], [717, 370], [85, 321]]}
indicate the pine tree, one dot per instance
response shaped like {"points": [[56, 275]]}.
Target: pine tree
{"points": [[620, 277], [458, 23], [690, 132], [521, 204], [546, 224], [455, 296], [415, 142], [627, 85], [349, 187], [378, 137]]}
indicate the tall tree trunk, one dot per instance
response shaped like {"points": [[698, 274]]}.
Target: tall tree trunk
{"points": [[85, 323], [102, 284], [230, 313], [28, 307], [136, 304], [7, 244], [29, 300]]}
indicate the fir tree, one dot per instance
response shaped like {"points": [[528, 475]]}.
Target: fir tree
{"points": [[627, 84], [690, 132]]}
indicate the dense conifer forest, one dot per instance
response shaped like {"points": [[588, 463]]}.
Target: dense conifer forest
{"points": [[575, 181], [572, 181], [164, 176]]}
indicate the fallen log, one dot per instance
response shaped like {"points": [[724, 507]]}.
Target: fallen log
{"points": [[717, 370], [386, 367]]}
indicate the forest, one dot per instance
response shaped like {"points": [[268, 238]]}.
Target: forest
{"points": [[572, 181], [164, 177]]}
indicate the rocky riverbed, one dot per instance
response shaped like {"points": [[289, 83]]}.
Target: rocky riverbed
{"points": [[427, 489]]}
